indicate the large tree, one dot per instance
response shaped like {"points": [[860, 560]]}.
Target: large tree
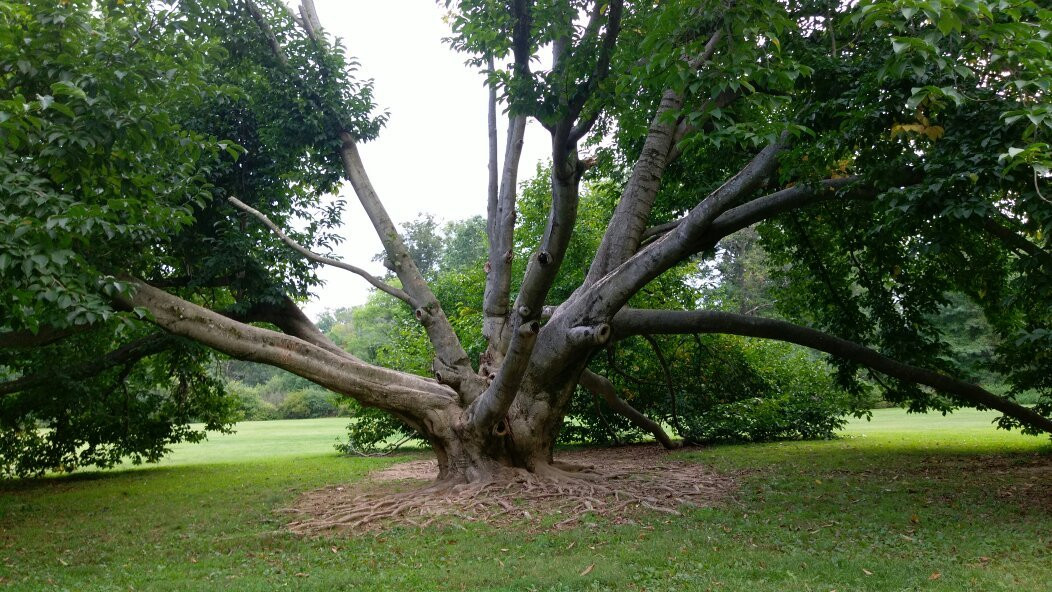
{"points": [[891, 151]]}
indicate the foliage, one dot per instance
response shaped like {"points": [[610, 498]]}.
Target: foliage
{"points": [[717, 388], [250, 406], [307, 404], [122, 127]]}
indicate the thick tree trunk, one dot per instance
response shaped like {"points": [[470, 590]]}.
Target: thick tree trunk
{"points": [[521, 441]]}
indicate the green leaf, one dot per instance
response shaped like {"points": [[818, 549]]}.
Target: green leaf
{"points": [[68, 89]]}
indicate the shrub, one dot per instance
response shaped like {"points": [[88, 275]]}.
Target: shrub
{"points": [[308, 404]]}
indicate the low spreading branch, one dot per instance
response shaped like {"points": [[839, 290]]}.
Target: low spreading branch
{"points": [[291, 320], [637, 322], [370, 385]]}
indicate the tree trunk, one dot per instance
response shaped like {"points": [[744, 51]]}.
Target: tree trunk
{"points": [[522, 441]]}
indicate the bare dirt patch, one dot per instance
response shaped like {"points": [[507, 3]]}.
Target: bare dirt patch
{"points": [[614, 483]]}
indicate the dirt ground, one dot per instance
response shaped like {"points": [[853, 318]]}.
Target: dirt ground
{"points": [[618, 483]]}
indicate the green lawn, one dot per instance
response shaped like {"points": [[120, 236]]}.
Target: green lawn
{"points": [[900, 503]]}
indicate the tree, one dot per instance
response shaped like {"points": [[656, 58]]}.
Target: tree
{"points": [[890, 152]]}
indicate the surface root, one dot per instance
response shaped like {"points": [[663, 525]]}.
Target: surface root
{"points": [[560, 495]]}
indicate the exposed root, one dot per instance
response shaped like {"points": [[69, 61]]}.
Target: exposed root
{"points": [[556, 496]]}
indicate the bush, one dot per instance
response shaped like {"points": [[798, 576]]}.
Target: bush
{"points": [[773, 392], [308, 404], [372, 431], [724, 389]]}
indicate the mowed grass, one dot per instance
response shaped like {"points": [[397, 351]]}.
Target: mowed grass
{"points": [[899, 503]]}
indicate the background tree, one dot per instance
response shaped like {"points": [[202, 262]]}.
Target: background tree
{"points": [[882, 180]]}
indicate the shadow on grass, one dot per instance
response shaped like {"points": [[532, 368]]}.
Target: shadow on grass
{"points": [[53, 481]]}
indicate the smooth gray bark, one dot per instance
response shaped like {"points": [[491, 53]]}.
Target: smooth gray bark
{"points": [[637, 322]]}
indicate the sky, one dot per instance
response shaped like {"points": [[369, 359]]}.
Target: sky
{"points": [[432, 155]]}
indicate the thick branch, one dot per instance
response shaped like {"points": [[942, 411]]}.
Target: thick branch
{"points": [[613, 291], [501, 242], [767, 206], [602, 386], [632, 214], [636, 322], [429, 312], [290, 319], [311, 23], [633, 210], [494, 165], [374, 281], [126, 354], [521, 11], [371, 385]]}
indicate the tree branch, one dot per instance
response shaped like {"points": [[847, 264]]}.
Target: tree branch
{"points": [[767, 206], [501, 245], [613, 291], [669, 384], [636, 322], [128, 353], [44, 336], [1017, 242], [371, 385], [602, 386], [602, 69], [632, 214], [290, 319], [428, 310], [307, 253]]}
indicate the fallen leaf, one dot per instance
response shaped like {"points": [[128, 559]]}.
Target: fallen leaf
{"points": [[867, 572], [334, 549], [935, 576], [588, 570], [915, 519]]}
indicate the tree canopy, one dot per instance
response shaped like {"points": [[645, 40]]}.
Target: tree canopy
{"points": [[167, 169]]}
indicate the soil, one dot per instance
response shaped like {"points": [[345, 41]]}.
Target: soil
{"points": [[621, 484]]}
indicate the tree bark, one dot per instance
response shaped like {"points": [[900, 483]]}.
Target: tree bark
{"points": [[603, 387], [636, 322]]}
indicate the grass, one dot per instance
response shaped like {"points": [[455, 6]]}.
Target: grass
{"points": [[900, 503]]}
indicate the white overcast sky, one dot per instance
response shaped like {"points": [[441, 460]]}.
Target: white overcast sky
{"points": [[431, 157]]}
